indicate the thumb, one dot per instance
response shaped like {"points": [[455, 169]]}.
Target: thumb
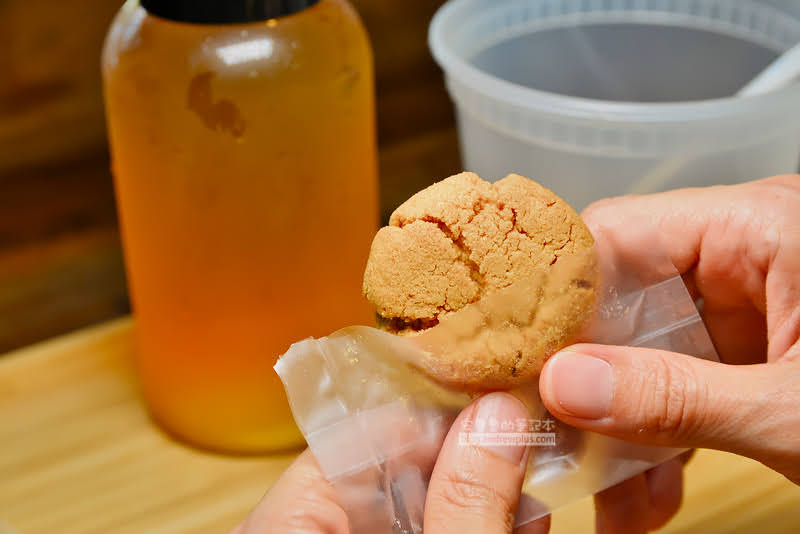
{"points": [[663, 398]]}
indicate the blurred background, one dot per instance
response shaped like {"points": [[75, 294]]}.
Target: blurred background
{"points": [[60, 259]]}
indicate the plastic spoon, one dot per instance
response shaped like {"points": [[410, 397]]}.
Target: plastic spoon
{"points": [[778, 74]]}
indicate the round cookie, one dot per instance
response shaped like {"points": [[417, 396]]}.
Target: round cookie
{"points": [[506, 269]]}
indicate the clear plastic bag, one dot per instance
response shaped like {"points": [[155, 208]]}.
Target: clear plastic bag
{"points": [[376, 423]]}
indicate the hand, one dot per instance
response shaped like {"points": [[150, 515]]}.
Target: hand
{"points": [[738, 248], [472, 489]]}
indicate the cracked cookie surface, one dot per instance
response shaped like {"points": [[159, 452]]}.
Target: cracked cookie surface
{"points": [[462, 239]]}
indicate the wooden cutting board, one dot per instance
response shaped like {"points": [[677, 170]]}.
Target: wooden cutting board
{"points": [[79, 455]]}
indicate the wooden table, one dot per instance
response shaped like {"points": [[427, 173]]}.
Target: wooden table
{"points": [[79, 455]]}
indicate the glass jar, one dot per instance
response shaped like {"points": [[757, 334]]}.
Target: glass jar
{"points": [[244, 162]]}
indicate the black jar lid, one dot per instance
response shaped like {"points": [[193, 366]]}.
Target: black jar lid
{"points": [[224, 11]]}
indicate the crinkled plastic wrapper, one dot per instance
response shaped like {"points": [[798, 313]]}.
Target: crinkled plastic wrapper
{"points": [[375, 421]]}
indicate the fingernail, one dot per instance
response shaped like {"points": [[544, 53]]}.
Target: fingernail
{"points": [[496, 416], [582, 386]]}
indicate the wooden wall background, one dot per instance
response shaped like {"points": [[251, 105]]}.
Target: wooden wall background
{"points": [[60, 261]]}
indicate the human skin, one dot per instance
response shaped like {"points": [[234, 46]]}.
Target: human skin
{"points": [[472, 489], [737, 247]]}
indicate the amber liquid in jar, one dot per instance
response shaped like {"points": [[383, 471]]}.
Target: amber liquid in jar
{"points": [[244, 162]]}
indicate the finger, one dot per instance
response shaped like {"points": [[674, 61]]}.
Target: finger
{"points": [[725, 240], [413, 435], [739, 333], [530, 507], [642, 503], [475, 488], [301, 500], [663, 398], [684, 457], [540, 526], [623, 508], [665, 489]]}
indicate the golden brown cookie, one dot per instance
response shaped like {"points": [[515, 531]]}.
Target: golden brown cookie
{"points": [[489, 263]]}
